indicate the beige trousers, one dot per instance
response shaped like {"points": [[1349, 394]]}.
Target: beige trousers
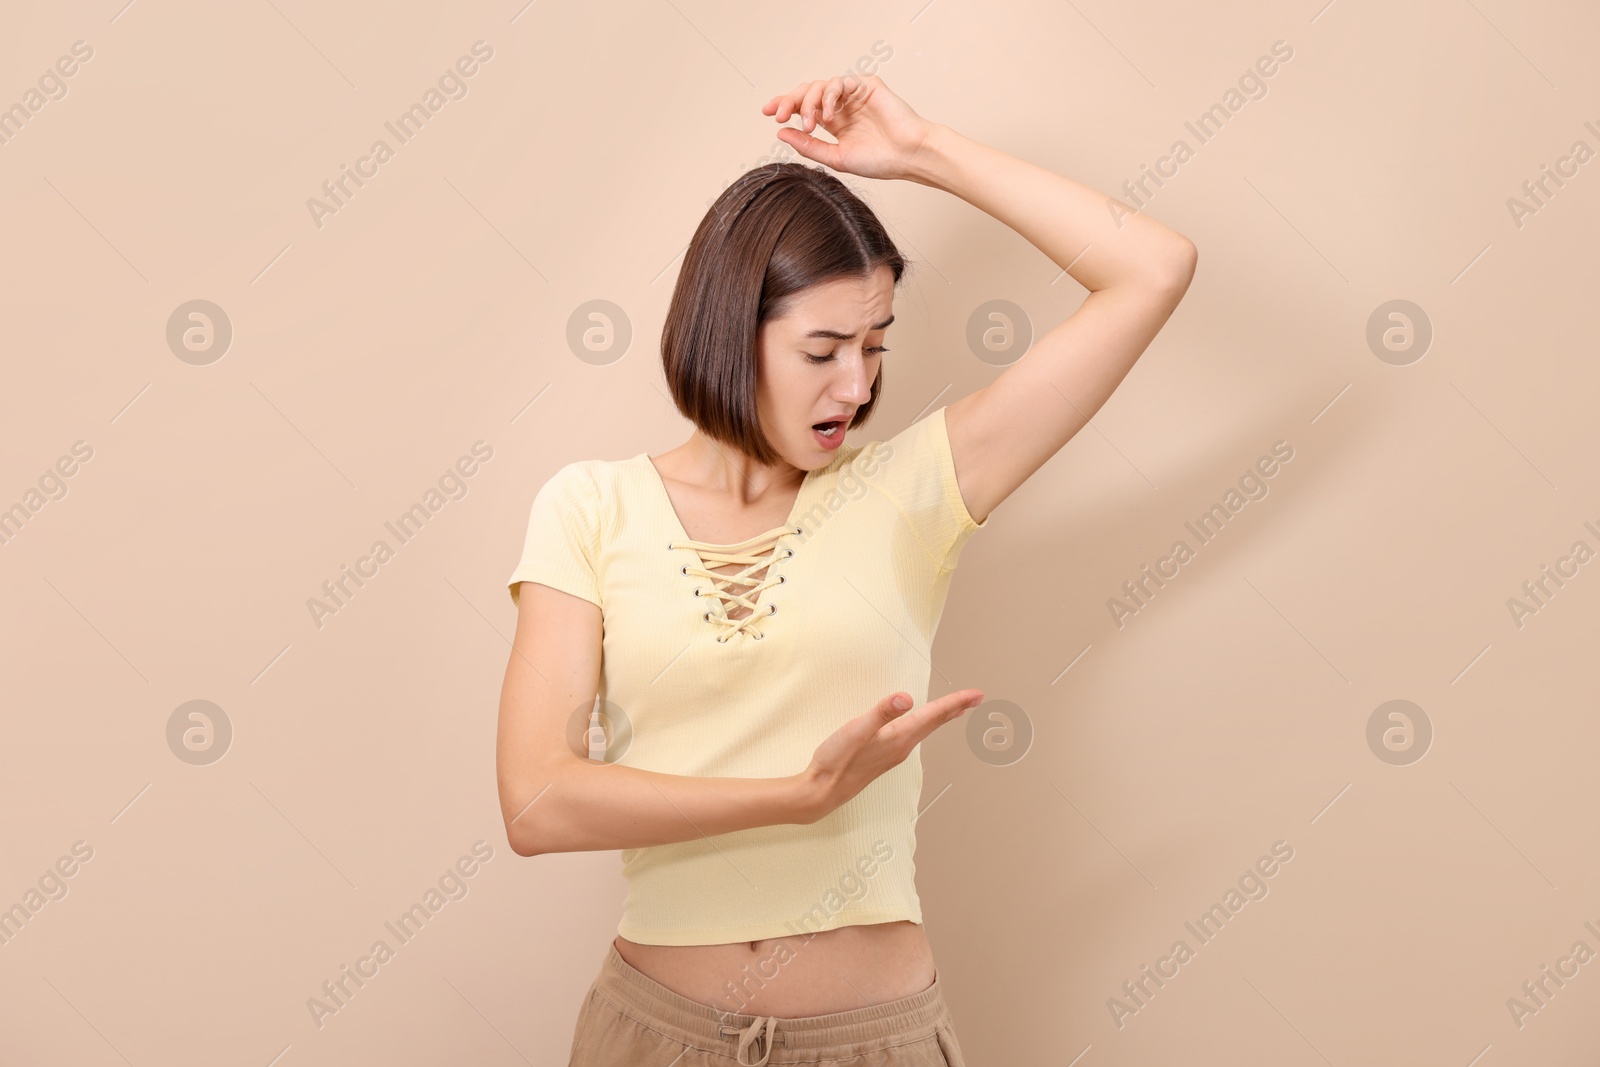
{"points": [[630, 1019]]}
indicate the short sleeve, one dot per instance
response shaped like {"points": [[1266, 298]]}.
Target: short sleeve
{"points": [[562, 546], [916, 471]]}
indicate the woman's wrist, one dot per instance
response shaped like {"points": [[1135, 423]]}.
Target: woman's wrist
{"points": [[804, 797], [933, 162]]}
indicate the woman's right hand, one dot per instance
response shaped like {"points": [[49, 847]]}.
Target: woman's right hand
{"points": [[872, 743], [877, 134]]}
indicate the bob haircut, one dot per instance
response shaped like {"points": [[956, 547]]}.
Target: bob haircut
{"points": [[777, 229]]}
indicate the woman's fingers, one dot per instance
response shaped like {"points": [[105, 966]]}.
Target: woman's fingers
{"points": [[890, 709], [832, 97], [787, 102], [792, 101], [812, 104], [797, 99], [935, 713], [813, 148], [814, 101]]}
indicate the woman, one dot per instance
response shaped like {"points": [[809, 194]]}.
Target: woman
{"points": [[771, 914]]}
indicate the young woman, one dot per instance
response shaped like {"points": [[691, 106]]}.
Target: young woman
{"points": [[732, 605]]}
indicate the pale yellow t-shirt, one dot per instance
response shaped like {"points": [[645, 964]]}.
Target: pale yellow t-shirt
{"points": [[844, 615]]}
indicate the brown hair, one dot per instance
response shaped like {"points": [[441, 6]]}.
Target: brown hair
{"points": [[777, 229]]}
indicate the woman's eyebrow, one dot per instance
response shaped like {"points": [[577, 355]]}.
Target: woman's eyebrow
{"points": [[835, 335]]}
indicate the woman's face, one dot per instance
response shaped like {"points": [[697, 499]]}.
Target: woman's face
{"points": [[818, 362]]}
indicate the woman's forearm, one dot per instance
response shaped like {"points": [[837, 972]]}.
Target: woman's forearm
{"points": [[1057, 215], [584, 806]]}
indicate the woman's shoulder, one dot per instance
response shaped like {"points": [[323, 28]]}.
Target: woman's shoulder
{"points": [[921, 441], [588, 488], [594, 474]]}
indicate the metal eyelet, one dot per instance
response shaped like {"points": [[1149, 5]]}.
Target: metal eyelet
{"points": [[684, 570], [798, 530], [760, 637], [707, 616], [791, 553], [782, 578], [697, 590], [774, 608], [720, 641]]}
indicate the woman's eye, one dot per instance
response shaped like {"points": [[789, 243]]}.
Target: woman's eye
{"points": [[877, 350]]}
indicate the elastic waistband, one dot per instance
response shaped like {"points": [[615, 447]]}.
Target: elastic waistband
{"points": [[767, 1039]]}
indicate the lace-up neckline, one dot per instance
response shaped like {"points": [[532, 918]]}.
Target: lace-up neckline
{"points": [[757, 553], [741, 589]]}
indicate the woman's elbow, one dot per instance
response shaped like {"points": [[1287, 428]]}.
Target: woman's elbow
{"points": [[528, 832], [520, 843], [1180, 263], [1170, 273], [533, 807]]}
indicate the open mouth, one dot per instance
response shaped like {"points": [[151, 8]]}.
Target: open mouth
{"points": [[829, 429]]}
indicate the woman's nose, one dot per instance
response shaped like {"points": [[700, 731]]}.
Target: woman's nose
{"points": [[857, 388]]}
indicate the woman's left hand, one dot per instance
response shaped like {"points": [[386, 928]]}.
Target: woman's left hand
{"points": [[878, 134]]}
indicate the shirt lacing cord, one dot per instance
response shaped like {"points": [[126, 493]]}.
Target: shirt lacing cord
{"points": [[751, 1033], [756, 552]]}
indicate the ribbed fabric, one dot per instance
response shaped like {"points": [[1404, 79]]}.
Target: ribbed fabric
{"points": [[875, 537]]}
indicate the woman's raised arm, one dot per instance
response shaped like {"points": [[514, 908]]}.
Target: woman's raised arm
{"points": [[1136, 271]]}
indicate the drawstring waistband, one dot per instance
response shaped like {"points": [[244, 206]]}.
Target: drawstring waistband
{"points": [[748, 1035], [767, 1041]]}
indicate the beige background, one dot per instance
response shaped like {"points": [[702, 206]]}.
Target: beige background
{"points": [[369, 353]]}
